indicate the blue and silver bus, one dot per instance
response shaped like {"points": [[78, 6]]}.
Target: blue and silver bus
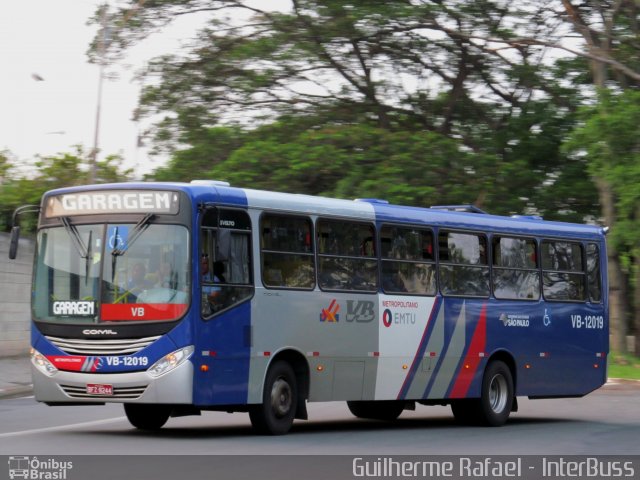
{"points": [[176, 298]]}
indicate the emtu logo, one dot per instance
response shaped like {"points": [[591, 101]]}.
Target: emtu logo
{"points": [[331, 314]]}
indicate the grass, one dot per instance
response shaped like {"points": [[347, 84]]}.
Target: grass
{"points": [[624, 366]]}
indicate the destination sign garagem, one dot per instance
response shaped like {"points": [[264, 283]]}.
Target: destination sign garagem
{"points": [[113, 201]]}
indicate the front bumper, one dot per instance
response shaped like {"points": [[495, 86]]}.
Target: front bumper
{"points": [[174, 387]]}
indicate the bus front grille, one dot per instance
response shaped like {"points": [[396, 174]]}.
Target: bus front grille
{"points": [[124, 393], [99, 347]]}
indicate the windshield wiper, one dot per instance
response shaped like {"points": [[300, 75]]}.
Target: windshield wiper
{"points": [[75, 236], [88, 259], [139, 228], [83, 250]]}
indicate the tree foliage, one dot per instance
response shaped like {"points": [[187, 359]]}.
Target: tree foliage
{"points": [[610, 142], [416, 101], [403, 64], [57, 171]]}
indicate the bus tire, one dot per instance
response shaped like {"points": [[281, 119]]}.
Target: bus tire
{"points": [[147, 416], [497, 395], [387, 410], [274, 416]]}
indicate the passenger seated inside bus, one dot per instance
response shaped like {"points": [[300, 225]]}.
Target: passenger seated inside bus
{"points": [[218, 272], [213, 294], [392, 282], [138, 281]]}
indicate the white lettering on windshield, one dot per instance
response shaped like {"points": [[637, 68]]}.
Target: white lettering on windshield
{"points": [[79, 308]]}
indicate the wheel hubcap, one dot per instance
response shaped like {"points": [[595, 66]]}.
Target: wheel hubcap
{"points": [[281, 397], [498, 393]]}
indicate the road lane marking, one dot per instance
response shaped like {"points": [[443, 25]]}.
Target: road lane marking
{"points": [[62, 427]]}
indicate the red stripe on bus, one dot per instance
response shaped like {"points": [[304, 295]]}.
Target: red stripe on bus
{"points": [[472, 360], [142, 311]]}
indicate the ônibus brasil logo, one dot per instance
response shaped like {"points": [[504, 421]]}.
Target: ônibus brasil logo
{"points": [[34, 468]]}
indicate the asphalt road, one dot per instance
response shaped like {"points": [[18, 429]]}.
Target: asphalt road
{"points": [[604, 422]]}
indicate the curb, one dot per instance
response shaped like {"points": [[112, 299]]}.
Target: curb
{"points": [[14, 392], [622, 381]]}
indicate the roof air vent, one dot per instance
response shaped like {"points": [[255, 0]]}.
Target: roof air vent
{"points": [[372, 200], [210, 183]]}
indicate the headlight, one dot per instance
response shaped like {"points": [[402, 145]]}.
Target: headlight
{"points": [[42, 364], [170, 361]]}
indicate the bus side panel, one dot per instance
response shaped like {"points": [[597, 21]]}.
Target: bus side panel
{"points": [[223, 345], [555, 354], [568, 351], [557, 349], [454, 342], [335, 333], [446, 355]]}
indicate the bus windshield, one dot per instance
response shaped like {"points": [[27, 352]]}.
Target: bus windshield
{"points": [[87, 274]]}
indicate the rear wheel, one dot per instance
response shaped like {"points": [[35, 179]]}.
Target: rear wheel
{"points": [[387, 410], [496, 401], [147, 417], [274, 416], [497, 394]]}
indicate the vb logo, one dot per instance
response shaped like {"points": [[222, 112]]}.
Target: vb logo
{"points": [[360, 311]]}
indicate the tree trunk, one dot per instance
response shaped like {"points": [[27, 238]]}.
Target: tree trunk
{"points": [[618, 300]]}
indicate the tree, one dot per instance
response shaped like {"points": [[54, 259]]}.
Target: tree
{"points": [[609, 140], [5, 165], [56, 171], [209, 147], [477, 73], [404, 64], [611, 32]]}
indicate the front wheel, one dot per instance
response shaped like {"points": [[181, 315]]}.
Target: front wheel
{"points": [[274, 416], [147, 416]]}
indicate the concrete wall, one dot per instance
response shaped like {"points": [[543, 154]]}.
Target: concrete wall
{"points": [[15, 297]]}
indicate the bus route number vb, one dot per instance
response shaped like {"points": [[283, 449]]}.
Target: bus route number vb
{"points": [[590, 322]]}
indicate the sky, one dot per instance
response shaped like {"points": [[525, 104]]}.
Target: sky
{"points": [[49, 39]]}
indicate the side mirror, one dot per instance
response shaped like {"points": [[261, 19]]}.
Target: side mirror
{"points": [[13, 245]]}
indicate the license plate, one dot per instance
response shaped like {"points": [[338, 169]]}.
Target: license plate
{"points": [[99, 389]]}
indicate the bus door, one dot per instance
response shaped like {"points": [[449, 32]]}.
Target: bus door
{"points": [[225, 286]]}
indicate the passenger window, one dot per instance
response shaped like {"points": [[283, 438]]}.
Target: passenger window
{"points": [[346, 256], [593, 272], [515, 269], [407, 261], [463, 264], [287, 252], [563, 277]]}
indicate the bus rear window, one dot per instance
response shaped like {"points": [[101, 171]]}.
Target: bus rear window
{"points": [[563, 275], [515, 270]]}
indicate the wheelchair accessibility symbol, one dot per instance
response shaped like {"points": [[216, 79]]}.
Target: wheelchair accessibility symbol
{"points": [[546, 320], [117, 238]]}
